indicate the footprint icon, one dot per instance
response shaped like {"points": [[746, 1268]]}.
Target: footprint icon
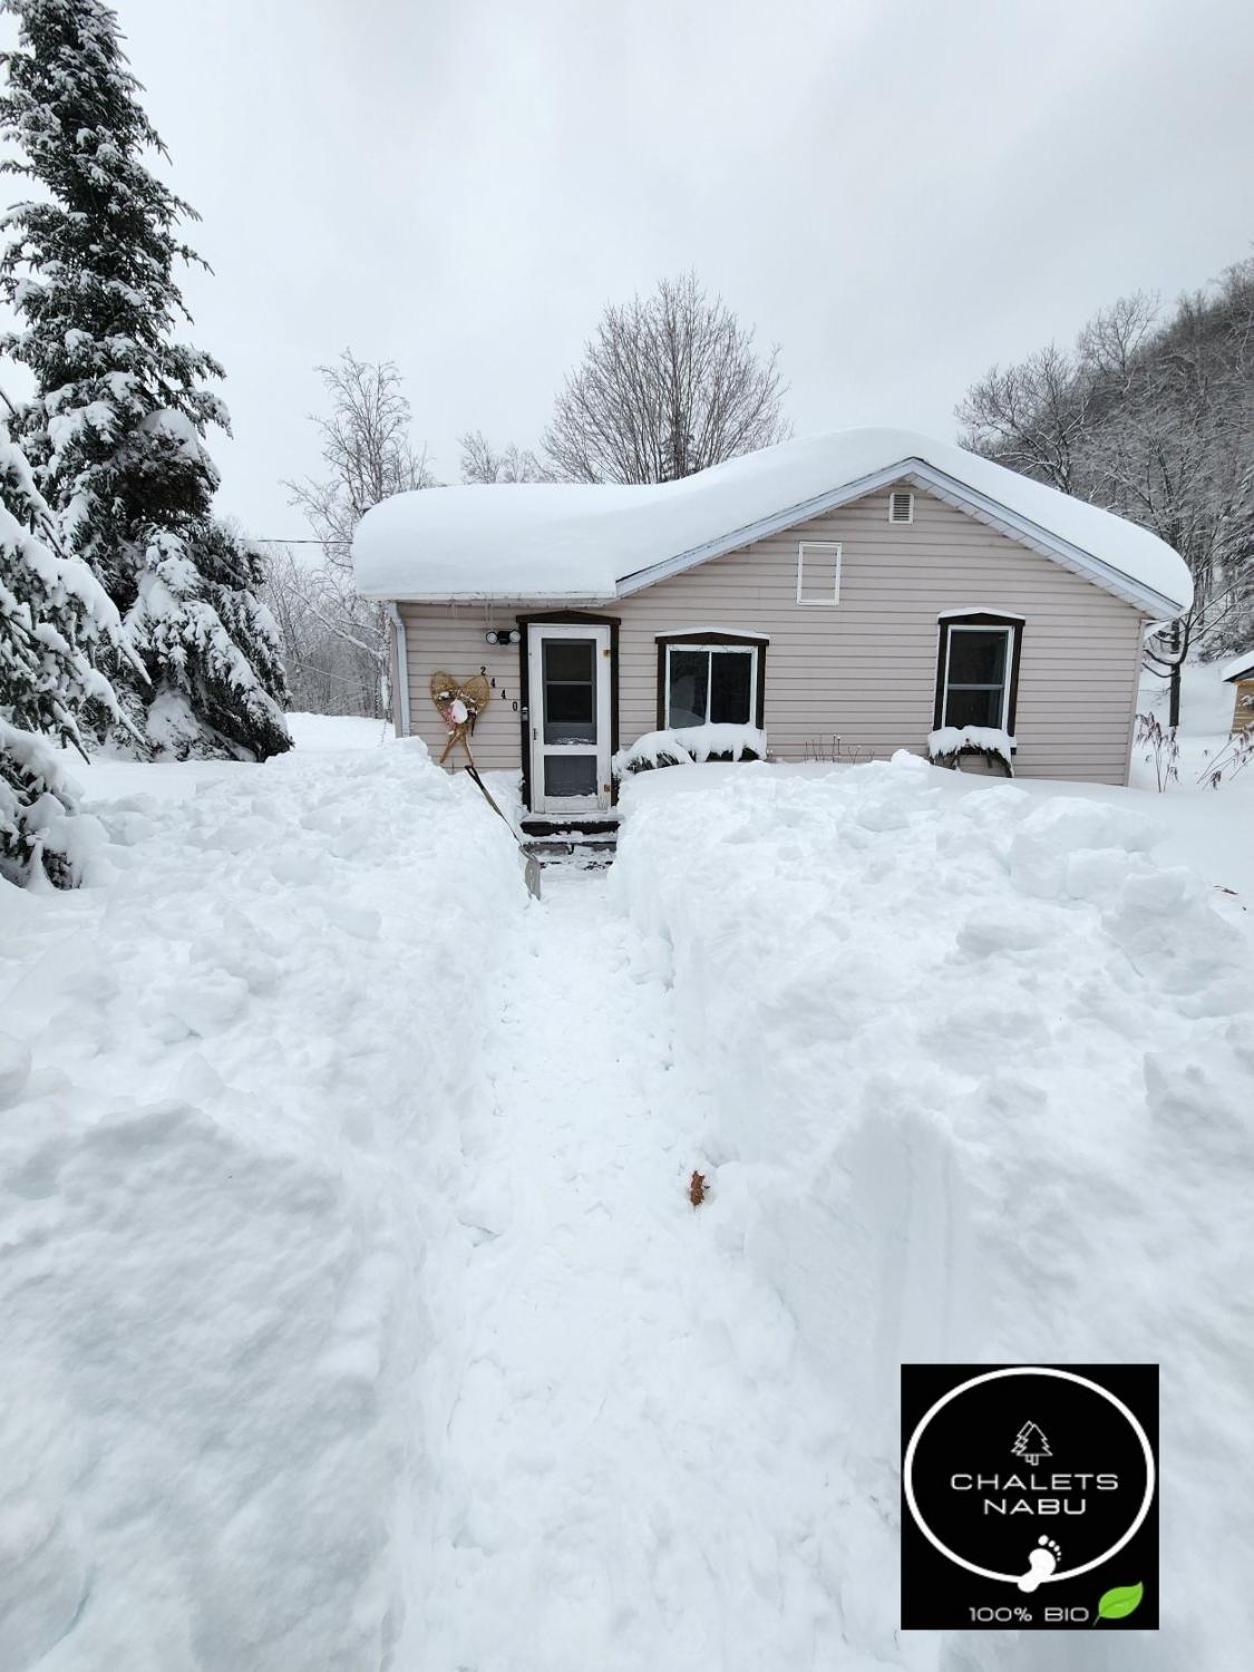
{"points": [[1041, 1563]]}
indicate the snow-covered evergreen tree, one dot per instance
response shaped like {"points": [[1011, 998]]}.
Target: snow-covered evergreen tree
{"points": [[55, 619], [115, 430], [196, 605]]}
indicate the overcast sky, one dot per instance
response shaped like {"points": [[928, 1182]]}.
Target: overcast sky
{"points": [[898, 194]]}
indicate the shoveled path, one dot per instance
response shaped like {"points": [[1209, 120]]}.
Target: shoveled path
{"points": [[632, 1445]]}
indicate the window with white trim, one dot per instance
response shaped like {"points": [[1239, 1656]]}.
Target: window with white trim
{"points": [[818, 572], [900, 507], [978, 670], [710, 684]]}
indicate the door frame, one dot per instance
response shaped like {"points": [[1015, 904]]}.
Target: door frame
{"points": [[571, 619]]}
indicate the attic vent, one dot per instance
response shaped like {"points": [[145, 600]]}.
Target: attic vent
{"points": [[901, 507]]}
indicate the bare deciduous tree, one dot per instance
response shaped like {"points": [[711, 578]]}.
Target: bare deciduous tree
{"points": [[369, 456], [667, 386], [483, 463], [366, 448], [1030, 416], [1152, 418], [329, 669]]}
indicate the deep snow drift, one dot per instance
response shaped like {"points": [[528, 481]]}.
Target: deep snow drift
{"points": [[230, 1173], [980, 1081]]}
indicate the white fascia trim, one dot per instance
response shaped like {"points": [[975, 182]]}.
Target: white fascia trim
{"points": [[500, 600], [981, 609], [402, 664], [728, 632], [947, 488]]}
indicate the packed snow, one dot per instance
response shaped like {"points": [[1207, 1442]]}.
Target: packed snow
{"points": [[689, 746], [588, 541], [356, 1315]]}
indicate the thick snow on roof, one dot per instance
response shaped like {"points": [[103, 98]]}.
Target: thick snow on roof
{"points": [[552, 541], [1238, 667]]}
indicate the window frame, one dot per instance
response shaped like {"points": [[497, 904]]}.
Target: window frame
{"points": [[980, 621], [713, 641], [828, 546]]}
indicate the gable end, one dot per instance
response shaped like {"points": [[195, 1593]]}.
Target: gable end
{"points": [[922, 475]]}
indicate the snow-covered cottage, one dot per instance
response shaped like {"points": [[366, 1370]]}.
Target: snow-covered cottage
{"points": [[871, 586]]}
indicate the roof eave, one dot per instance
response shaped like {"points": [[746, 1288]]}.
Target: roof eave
{"points": [[567, 600]]}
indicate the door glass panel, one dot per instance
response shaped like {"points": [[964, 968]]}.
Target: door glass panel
{"points": [[689, 676], [730, 679], [570, 693], [570, 775]]}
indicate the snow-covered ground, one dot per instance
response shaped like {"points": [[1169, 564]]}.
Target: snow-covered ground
{"points": [[979, 1085], [237, 1073], [1212, 829], [355, 1313]]}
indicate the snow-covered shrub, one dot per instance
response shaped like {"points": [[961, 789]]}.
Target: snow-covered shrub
{"points": [[690, 745], [949, 744], [54, 619]]}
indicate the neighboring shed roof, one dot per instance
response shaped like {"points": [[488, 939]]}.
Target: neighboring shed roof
{"points": [[1239, 666], [543, 541]]}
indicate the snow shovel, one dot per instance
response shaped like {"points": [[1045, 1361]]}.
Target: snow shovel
{"points": [[531, 875]]}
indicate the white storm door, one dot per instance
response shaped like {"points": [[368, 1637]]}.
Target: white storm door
{"points": [[568, 695]]}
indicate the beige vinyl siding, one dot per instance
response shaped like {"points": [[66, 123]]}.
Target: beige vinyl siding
{"points": [[863, 670], [444, 638]]}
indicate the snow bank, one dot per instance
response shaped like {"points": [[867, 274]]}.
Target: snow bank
{"points": [[979, 1082], [237, 1075], [689, 745], [333, 732], [573, 540], [948, 742]]}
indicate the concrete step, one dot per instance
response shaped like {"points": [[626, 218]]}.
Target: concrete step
{"points": [[582, 852], [570, 829]]}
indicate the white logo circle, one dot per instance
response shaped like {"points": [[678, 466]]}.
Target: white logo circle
{"points": [[994, 1376]]}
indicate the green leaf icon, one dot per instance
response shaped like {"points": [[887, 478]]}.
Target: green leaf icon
{"points": [[1119, 1603]]}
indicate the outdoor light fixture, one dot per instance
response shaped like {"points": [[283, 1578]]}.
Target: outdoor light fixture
{"points": [[502, 635]]}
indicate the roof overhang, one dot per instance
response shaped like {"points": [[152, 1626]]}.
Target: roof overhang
{"points": [[945, 487], [500, 600]]}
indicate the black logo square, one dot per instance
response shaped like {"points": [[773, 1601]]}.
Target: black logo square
{"points": [[1029, 1497]]}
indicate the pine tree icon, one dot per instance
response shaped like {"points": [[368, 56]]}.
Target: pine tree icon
{"points": [[1031, 1444]]}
